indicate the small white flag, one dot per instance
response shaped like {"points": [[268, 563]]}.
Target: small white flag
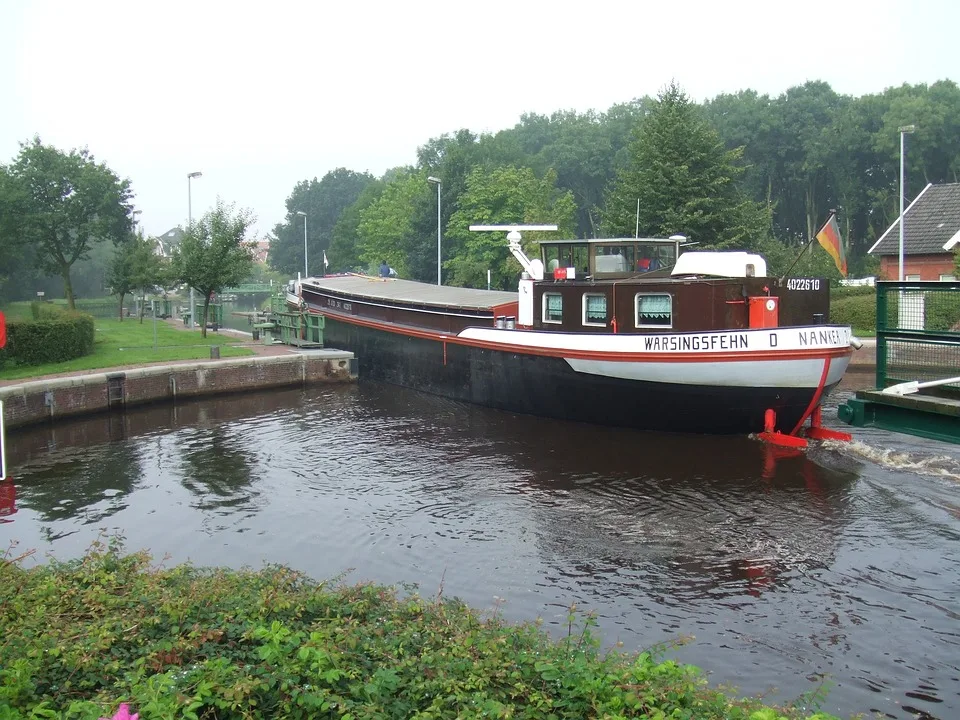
{"points": [[325, 263]]}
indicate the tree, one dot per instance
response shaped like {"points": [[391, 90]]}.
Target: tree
{"points": [[214, 253], [324, 202], [386, 228], [135, 266], [11, 203], [685, 181], [345, 245], [69, 203], [504, 196]]}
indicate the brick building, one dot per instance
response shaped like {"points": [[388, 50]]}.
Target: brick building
{"points": [[931, 236]]}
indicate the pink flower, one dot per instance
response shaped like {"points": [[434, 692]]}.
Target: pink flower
{"points": [[123, 713]]}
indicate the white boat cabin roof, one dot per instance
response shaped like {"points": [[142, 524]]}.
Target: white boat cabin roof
{"points": [[720, 264]]}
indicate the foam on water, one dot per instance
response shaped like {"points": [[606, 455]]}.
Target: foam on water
{"points": [[924, 463]]}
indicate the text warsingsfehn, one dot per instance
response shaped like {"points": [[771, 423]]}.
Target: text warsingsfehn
{"points": [[739, 341]]}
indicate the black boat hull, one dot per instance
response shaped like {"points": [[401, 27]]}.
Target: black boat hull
{"points": [[549, 387]]}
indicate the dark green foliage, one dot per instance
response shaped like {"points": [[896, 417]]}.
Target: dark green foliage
{"points": [[345, 246], [54, 335], [324, 201], [681, 179], [81, 637]]}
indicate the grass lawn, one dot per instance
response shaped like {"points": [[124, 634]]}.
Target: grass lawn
{"points": [[130, 343]]}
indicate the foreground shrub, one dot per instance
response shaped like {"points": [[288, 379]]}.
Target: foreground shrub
{"points": [[83, 636], [55, 335]]}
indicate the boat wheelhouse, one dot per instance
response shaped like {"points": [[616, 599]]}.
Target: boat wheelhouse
{"points": [[629, 332]]}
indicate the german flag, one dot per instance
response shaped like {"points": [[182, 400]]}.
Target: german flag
{"points": [[829, 239]]}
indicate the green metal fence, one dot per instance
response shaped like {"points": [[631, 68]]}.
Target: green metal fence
{"points": [[214, 315], [300, 329], [918, 332]]}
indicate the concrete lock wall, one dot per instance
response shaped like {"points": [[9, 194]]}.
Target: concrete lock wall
{"points": [[42, 400]]}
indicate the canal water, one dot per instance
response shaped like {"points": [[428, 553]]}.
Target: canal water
{"points": [[837, 568]]}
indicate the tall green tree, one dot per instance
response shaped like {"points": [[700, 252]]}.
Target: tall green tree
{"points": [[685, 181], [215, 253], [506, 195], [323, 201], [345, 245], [69, 203], [452, 158]]}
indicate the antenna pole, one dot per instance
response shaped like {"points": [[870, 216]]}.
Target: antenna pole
{"points": [[637, 236]]}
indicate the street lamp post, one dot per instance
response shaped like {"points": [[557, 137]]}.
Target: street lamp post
{"points": [[306, 273], [437, 182], [193, 302], [904, 130]]}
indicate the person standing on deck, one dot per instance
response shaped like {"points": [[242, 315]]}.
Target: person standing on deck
{"points": [[384, 269]]}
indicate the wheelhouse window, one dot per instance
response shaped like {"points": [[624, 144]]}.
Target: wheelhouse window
{"points": [[552, 308], [595, 309], [654, 310], [563, 255]]}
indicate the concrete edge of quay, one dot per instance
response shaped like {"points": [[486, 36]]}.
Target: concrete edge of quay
{"points": [[61, 397]]}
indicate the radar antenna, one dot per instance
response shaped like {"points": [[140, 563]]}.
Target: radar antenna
{"points": [[533, 267]]}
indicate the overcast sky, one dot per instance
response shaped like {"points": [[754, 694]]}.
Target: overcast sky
{"points": [[259, 98]]}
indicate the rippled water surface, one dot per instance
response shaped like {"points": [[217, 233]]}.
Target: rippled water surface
{"points": [[776, 571]]}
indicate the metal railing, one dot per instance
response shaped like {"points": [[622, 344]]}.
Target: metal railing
{"points": [[918, 332], [249, 289]]}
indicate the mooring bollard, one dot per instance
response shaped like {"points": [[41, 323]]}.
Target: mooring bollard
{"points": [[214, 352]]}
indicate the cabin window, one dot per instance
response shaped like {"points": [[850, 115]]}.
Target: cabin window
{"points": [[615, 259], [552, 308], [594, 309], [654, 310]]}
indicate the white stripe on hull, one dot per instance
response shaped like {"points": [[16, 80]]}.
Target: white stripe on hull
{"points": [[814, 337], [804, 373]]}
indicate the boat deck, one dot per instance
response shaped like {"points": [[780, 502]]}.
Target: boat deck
{"points": [[408, 291]]}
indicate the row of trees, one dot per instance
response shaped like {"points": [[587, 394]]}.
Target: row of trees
{"points": [[59, 208], [742, 170]]}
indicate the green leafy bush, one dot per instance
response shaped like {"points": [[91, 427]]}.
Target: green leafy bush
{"points": [[82, 636], [55, 335], [859, 311]]}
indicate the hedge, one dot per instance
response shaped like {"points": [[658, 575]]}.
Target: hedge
{"points": [[55, 335], [857, 311], [942, 312]]}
